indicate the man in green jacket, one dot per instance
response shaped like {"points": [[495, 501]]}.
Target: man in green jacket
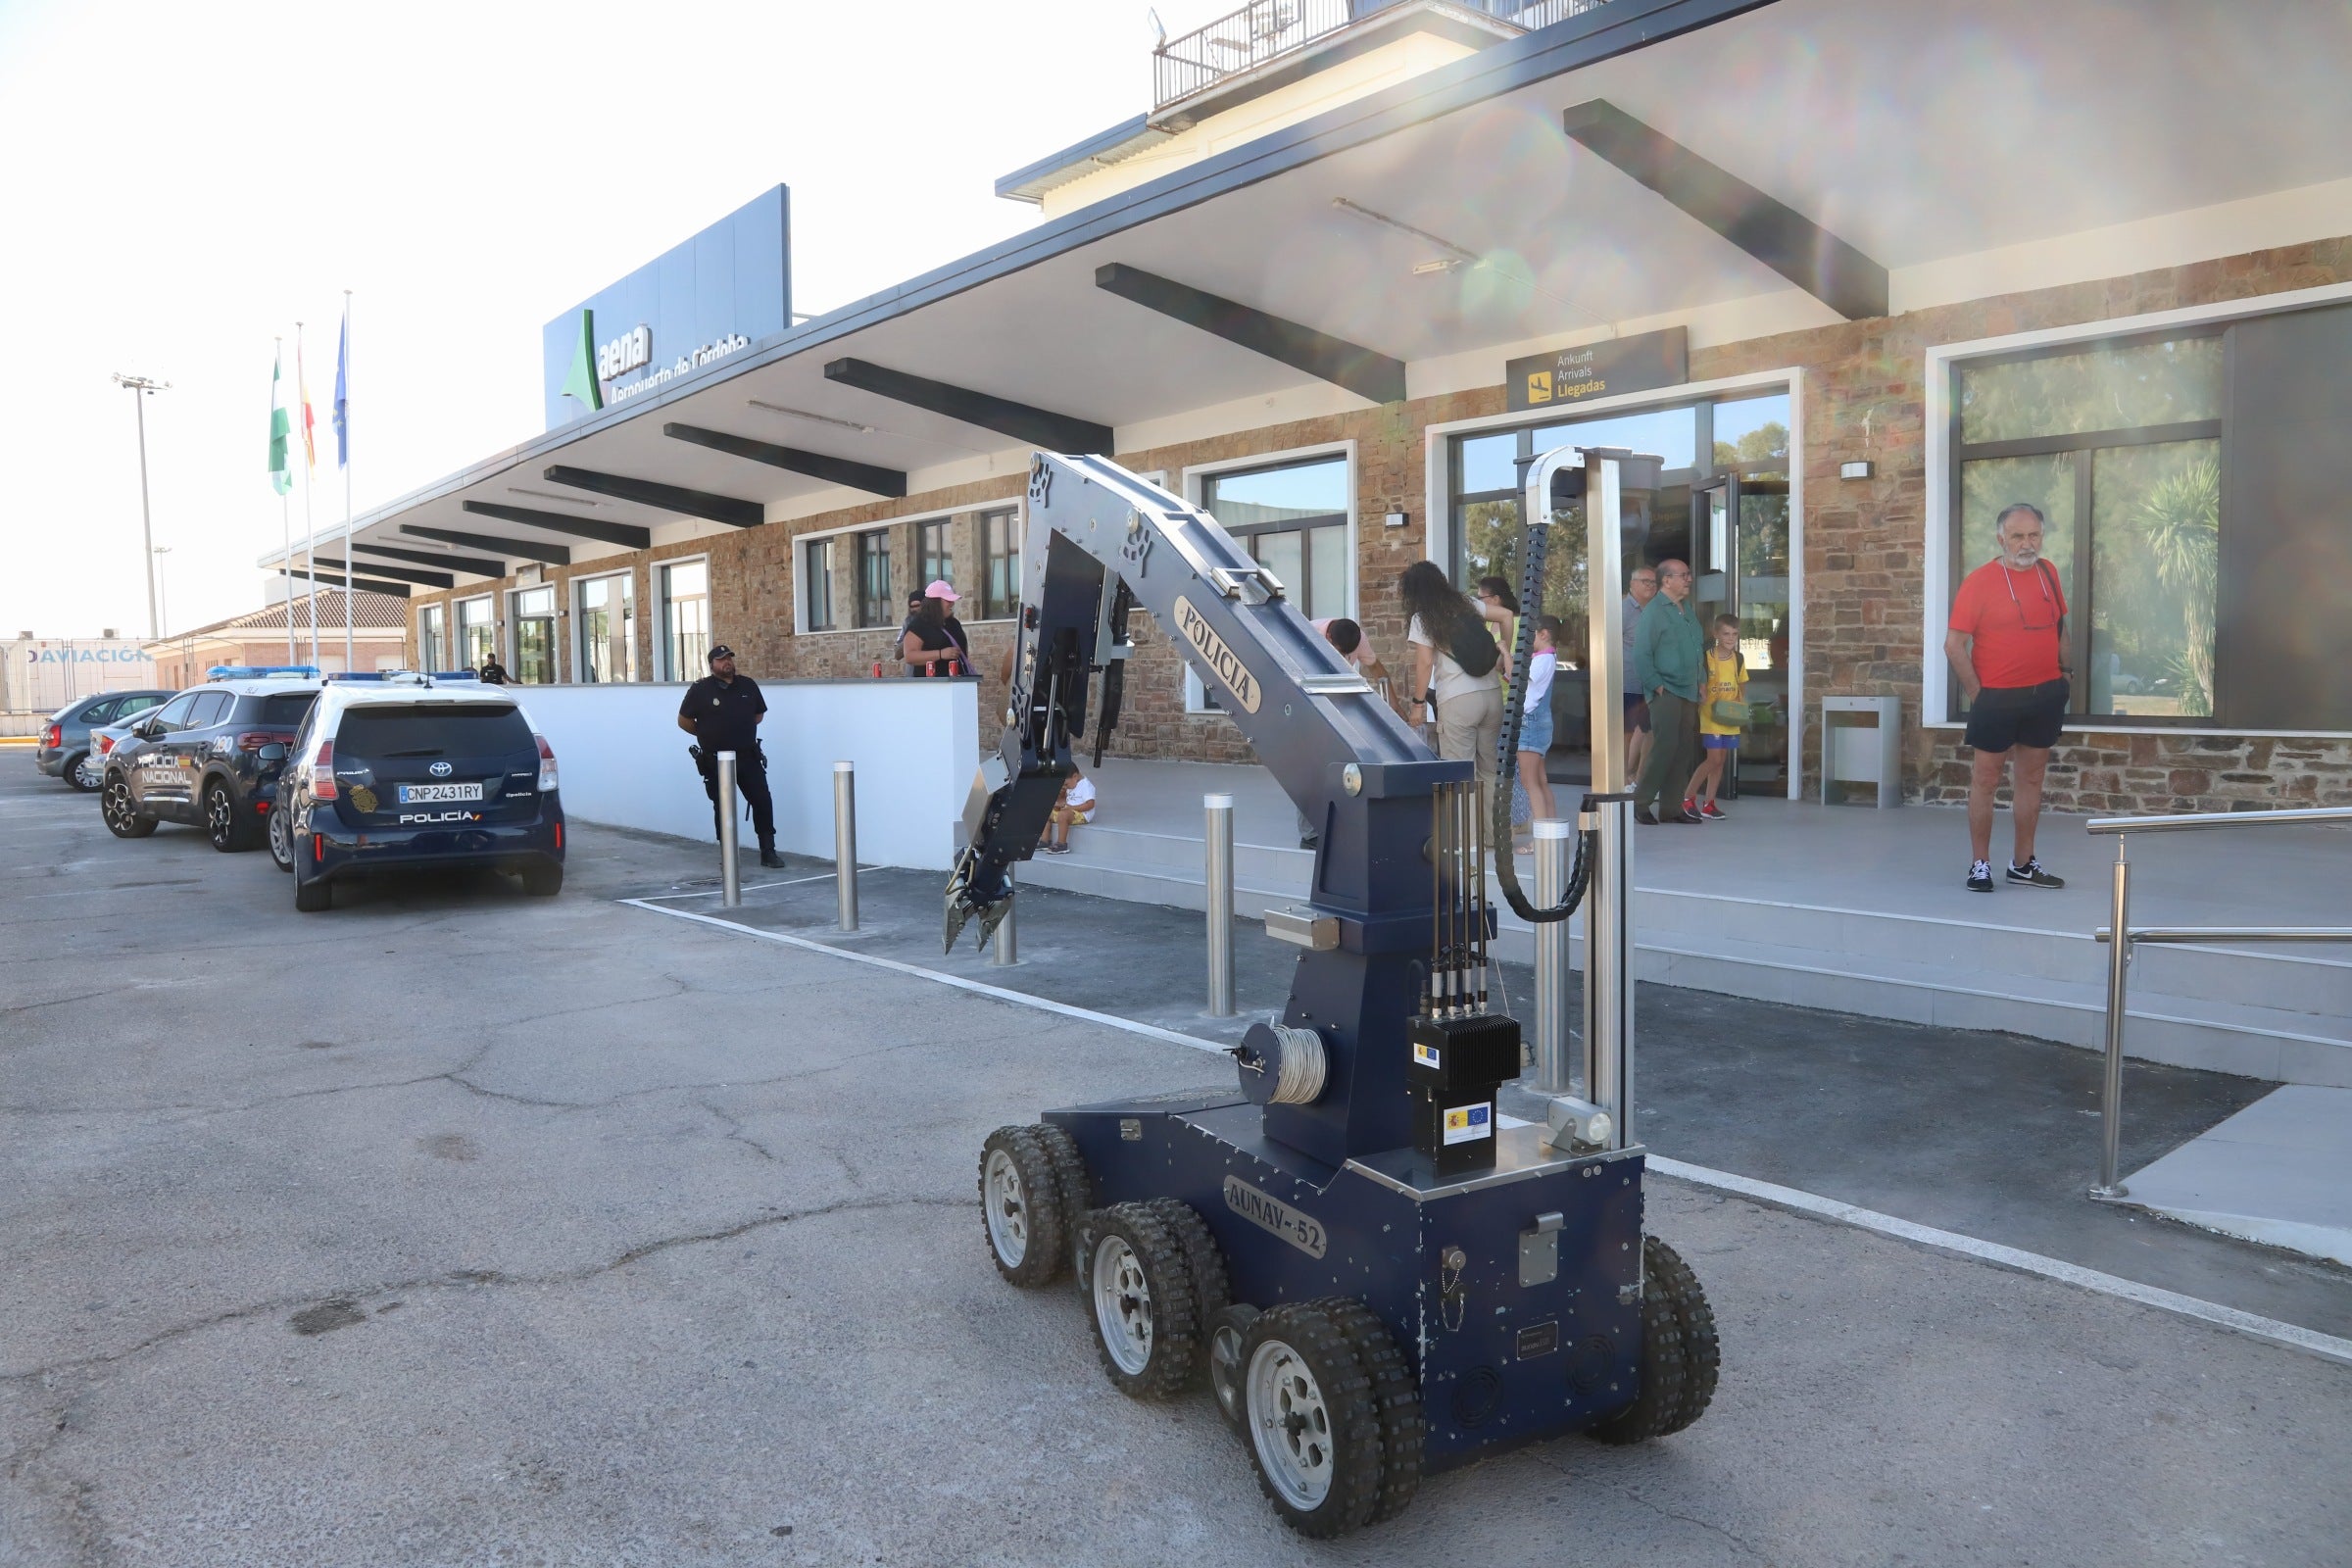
{"points": [[1667, 650]]}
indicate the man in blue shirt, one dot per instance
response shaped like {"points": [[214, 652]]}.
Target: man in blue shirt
{"points": [[1667, 649]]}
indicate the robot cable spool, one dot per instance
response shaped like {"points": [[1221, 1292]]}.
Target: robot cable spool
{"points": [[1537, 537]]}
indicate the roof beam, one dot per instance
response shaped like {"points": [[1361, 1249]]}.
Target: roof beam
{"points": [[426, 579], [668, 497], [1363, 371], [891, 482], [1773, 232], [473, 564], [373, 585], [612, 533], [528, 548], [1056, 432]]}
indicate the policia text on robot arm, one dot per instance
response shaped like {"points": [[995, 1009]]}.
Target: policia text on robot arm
{"points": [[722, 712]]}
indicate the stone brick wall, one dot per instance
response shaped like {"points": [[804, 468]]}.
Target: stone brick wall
{"points": [[2128, 775], [1864, 546]]}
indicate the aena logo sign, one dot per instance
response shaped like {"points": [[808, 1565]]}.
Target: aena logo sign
{"points": [[624, 354]]}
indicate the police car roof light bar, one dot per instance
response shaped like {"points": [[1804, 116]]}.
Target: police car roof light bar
{"points": [[261, 672]]}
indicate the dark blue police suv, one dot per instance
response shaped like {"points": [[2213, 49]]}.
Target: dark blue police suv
{"points": [[401, 771], [209, 758]]}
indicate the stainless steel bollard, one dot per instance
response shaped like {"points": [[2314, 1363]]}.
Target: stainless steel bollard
{"points": [[1609, 970], [844, 843], [730, 877], [2111, 1087], [1553, 841], [1006, 950], [1219, 810]]}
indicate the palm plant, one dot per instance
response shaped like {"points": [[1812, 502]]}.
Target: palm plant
{"points": [[2180, 520]]}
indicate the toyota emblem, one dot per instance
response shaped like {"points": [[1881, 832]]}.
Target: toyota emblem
{"points": [[442, 770]]}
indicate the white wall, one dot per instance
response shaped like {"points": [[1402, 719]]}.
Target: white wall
{"points": [[916, 745]]}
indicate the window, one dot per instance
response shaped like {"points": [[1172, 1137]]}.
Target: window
{"points": [[606, 618], [210, 709], [816, 585], [1294, 519], [1721, 505], [432, 632], [286, 709], [935, 560], [2118, 444], [535, 636], [685, 619], [174, 714], [875, 604], [1000, 563], [477, 633]]}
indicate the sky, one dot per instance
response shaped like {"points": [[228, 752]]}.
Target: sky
{"points": [[185, 183]]}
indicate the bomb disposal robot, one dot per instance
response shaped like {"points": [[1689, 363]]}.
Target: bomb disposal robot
{"points": [[1379, 1278]]}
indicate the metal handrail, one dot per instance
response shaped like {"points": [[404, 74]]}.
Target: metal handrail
{"points": [[2233, 933], [2119, 953], [2305, 815]]}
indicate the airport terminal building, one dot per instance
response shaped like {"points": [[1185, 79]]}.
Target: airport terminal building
{"points": [[1861, 271]]}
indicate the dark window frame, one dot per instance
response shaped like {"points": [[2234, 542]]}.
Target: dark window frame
{"points": [[934, 551], [816, 585], [877, 605], [2082, 597], [1008, 549]]}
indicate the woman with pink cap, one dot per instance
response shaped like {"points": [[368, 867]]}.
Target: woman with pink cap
{"points": [[932, 642]]}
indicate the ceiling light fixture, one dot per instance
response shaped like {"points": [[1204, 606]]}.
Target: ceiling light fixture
{"points": [[1463, 256], [819, 419], [549, 495], [1461, 253]]}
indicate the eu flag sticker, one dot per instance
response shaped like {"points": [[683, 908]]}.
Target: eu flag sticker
{"points": [[1468, 1123]]}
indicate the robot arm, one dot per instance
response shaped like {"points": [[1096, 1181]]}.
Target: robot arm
{"points": [[1102, 543]]}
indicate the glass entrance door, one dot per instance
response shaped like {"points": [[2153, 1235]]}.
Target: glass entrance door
{"points": [[1740, 562]]}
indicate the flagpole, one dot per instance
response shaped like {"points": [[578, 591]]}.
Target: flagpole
{"points": [[285, 505], [343, 450], [310, 482]]}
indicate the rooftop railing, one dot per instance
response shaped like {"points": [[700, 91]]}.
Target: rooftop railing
{"points": [[1267, 29]]}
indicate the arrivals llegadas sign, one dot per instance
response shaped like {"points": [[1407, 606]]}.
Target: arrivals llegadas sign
{"points": [[1602, 369]]}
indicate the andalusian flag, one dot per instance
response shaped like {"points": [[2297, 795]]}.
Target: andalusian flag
{"points": [[281, 472], [302, 392]]}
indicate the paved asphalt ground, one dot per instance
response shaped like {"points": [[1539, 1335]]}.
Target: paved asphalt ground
{"points": [[456, 1227]]}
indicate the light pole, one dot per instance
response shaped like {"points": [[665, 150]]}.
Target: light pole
{"points": [[163, 588], [141, 389]]}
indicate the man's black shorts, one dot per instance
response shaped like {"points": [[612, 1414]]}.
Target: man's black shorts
{"points": [[2003, 716]]}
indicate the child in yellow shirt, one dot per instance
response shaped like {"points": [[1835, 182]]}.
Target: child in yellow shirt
{"points": [[1725, 679]]}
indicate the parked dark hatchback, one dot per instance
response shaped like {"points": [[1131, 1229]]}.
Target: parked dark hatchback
{"points": [[419, 772], [209, 758], [63, 748]]}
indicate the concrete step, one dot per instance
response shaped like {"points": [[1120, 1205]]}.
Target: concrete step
{"points": [[2279, 1014]]}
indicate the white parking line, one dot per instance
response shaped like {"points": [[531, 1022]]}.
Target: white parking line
{"points": [[2251, 1324], [747, 887]]}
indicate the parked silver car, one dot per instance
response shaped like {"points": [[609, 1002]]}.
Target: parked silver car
{"points": [[64, 750], [104, 737]]}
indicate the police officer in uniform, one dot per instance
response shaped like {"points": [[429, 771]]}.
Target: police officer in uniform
{"points": [[722, 712]]}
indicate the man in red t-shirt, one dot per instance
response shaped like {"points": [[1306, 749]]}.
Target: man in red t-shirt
{"points": [[2007, 644]]}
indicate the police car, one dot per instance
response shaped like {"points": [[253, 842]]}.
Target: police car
{"points": [[406, 770], [210, 756]]}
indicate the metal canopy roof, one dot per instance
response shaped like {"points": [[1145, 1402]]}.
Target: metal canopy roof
{"points": [[1910, 130]]}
